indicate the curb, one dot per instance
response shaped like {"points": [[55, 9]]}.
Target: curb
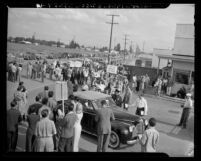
{"points": [[165, 98]]}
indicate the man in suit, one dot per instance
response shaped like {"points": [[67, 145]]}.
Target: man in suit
{"points": [[13, 119], [67, 133], [117, 98], [104, 116], [35, 106]]}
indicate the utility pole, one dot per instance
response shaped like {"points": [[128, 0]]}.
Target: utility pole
{"points": [[143, 46], [111, 35], [125, 46]]}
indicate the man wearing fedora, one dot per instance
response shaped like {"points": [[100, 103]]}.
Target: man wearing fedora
{"points": [[188, 105]]}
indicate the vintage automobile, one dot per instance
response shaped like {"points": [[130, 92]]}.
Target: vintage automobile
{"points": [[125, 127]]}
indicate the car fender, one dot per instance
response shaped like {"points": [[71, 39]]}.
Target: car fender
{"points": [[119, 126]]}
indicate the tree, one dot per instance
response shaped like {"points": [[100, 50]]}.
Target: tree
{"points": [[117, 47]]}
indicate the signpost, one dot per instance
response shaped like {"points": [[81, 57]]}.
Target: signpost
{"points": [[112, 69], [61, 92]]}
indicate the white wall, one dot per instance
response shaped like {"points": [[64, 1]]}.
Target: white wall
{"points": [[155, 59], [184, 39]]}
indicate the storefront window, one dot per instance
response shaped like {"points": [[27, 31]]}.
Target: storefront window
{"points": [[138, 63], [181, 77]]}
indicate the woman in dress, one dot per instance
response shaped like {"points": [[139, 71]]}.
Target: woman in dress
{"points": [[77, 127]]}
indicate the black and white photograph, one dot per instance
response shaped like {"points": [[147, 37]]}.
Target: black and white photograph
{"points": [[101, 80]]}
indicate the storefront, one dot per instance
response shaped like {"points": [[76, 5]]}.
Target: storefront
{"points": [[181, 70]]}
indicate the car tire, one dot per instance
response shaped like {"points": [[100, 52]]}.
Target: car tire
{"points": [[114, 140]]}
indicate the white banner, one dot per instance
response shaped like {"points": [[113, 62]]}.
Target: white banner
{"points": [[61, 90], [77, 64], [112, 69]]}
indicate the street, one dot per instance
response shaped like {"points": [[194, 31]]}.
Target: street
{"points": [[173, 140]]}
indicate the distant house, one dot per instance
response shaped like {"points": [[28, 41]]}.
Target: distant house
{"points": [[62, 46], [54, 45], [25, 42]]}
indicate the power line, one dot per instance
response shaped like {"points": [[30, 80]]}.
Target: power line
{"points": [[111, 34]]}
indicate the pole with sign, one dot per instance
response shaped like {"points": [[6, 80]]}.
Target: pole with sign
{"points": [[61, 92]]}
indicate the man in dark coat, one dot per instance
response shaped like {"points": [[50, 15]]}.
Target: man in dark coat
{"points": [[32, 119], [117, 98], [35, 107], [104, 116], [67, 133], [13, 119]]}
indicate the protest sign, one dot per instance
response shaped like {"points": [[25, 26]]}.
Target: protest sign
{"points": [[61, 92], [77, 64], [112, 69]]}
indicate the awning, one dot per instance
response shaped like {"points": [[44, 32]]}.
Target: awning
{"points": [[177, 58]]}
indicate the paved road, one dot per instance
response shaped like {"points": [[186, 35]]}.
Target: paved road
{"points": [[173, 140]]}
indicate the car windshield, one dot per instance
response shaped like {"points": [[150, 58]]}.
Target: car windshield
{"points": [[97, 103]]}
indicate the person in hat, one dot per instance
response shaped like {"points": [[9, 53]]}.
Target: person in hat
{"points": [[77, 127], [188, 105], [117, 98]]}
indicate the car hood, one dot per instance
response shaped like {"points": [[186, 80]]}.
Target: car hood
{"points": [[124, 116]]}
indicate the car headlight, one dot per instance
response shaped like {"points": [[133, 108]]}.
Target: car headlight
{"points": [[131, 128]]}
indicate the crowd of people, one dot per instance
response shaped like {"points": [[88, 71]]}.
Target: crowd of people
{"points": [[14, 71], [51, 129]]}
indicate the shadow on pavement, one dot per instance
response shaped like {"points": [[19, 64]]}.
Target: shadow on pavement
{"points": [[180, 133]]}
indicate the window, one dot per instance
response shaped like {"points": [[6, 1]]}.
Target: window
{"points": [[181, 77], [138, 63], [148, 64]]}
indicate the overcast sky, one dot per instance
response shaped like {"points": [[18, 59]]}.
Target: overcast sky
{"points": [[155, 27]]}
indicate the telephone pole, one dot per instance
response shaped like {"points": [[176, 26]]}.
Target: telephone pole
{"points": [[111, 35], [143, 46], [125, 46]]}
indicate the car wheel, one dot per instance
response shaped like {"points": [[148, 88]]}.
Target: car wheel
{"points": [[114, 140]]}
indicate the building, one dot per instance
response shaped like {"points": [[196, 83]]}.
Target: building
{"points": [[182, 58]]}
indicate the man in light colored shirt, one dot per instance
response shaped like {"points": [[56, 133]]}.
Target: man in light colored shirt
{"points": [[188, 105], [141, 104], [150, 137]]}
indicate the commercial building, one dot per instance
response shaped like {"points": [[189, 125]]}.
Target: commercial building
{"points": [[181, 66]]}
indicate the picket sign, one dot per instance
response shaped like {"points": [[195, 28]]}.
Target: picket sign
{"points": [[77, 64], [112, 69], [61, 92]]}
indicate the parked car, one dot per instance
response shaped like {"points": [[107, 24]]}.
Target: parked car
{"points": [[125, 127]]}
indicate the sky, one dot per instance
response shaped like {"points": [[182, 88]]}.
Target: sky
{"points": [[151, 28]]}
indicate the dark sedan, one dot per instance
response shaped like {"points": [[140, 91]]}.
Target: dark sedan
{"points": [[125, 127]]}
